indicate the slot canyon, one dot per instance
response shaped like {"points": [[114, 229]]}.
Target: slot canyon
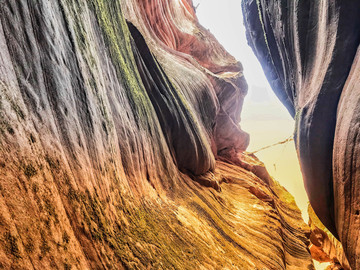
{"points": [[121, 144]]}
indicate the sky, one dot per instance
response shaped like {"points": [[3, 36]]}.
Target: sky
{"points": [[263, 116]]}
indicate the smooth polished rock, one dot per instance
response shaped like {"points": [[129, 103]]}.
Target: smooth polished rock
{"points": [[308, 50]]}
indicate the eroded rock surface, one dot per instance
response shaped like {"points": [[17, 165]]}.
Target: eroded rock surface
{"points": [[324, 247], [309, 51], [120, 145]]}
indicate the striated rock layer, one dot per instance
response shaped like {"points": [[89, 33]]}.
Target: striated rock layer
{"points": [[310, 53], [120, 145]]}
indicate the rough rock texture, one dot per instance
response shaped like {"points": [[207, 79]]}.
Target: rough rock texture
{"points": [[324, 246], [120, 145], [308, 50]]}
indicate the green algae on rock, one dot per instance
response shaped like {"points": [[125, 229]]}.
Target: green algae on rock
{"points": [[117, 111]]}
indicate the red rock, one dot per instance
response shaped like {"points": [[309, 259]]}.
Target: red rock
{"points": [[111, 135], [324, 246]]}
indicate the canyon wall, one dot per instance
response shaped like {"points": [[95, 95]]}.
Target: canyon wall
{"points": [[310, 53], [120, 145], [324, 246]]}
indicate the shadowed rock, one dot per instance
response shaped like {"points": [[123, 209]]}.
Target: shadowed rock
{"points": [[308, 50], [114, 116], [324, 246]]}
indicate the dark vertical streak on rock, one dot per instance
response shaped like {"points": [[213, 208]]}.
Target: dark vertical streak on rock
{"points": [[94, 119], [325, 38], [184, 142]]}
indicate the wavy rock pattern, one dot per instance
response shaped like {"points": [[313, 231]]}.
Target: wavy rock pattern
{"points": [[117, 118], [308, 50]]}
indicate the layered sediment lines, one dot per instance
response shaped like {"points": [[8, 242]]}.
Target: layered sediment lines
{"points": [[120, 145], [309, 51]]}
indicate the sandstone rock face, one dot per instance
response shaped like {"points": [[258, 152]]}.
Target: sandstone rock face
{"points": [[308, 50], [120, 145], [324, 247]]}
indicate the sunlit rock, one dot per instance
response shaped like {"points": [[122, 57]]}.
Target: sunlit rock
{"points": [[120, 145]]}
